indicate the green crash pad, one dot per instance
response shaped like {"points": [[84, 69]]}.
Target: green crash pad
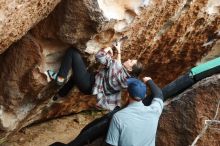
{"points": [[206, 66]]}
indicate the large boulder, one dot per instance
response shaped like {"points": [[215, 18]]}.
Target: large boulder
{"points": [[170, 37], [187, 115], [17, 17], [167, 37], [25, 93]]}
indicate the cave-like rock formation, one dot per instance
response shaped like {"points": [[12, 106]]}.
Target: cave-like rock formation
{"points": [[167, 36], [88, 25]]}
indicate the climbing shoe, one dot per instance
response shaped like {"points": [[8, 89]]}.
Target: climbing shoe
{"points": [[53, 76], [60, 80]]}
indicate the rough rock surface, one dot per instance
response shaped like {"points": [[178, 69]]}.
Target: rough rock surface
{"points": [[17, 17], [168, 37], [171, 39], [185, 117], [25, 94], [21, 80]]}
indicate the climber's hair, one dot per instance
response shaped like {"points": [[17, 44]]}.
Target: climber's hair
{"points": [[136, 69]]}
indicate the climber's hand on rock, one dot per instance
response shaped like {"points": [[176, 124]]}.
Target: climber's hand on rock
{"points": [[109, 50]]}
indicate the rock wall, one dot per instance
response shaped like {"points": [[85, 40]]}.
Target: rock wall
{"points": [[170, 40], [25, 93], [184, 118], [167, 36], [17, 17]]}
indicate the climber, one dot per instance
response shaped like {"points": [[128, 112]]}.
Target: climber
{"points": [[136, 124], [106, 84]]}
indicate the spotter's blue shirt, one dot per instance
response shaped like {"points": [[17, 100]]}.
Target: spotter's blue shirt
{"points": [[135, 125]]}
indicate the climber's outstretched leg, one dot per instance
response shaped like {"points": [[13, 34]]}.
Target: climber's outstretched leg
{"points": [[81, 77]]}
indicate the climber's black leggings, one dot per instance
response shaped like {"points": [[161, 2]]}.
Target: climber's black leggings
{"points": [[83, 79]]}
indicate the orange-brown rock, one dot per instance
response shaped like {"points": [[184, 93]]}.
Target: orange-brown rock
{"points": [[17, 17], [170, 40], [168, 37], [25, 94]]}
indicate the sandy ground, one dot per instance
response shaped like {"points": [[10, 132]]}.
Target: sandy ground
{"points": [[62, 129]]}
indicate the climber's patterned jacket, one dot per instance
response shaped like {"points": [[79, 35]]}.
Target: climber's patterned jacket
{"points": [[109, 81]]}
